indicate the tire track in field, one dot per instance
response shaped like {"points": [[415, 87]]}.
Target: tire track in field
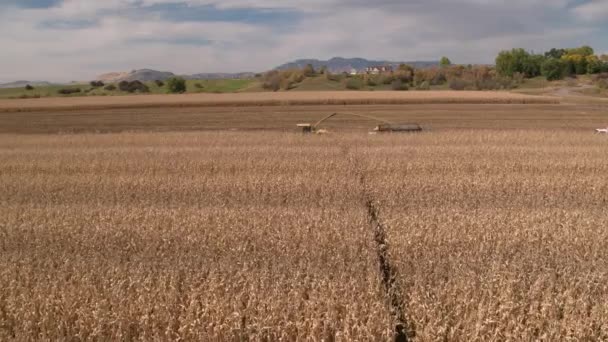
{"points": [[387, 270]]}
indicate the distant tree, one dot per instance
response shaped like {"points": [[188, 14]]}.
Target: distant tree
{"points": [[159, 83], [594, 65], [271, 81], [458, 84], [439, 79], [405, 73], [506, 63], [387, 79], [96, 84], [554, 69], [531, 65], [323, 70], [371, 81], [445, 62], [69, 91], [309, 71], [583, 51], [133, 86], [576, 64], [555, 53], [407, 68], [518, 60], [29, 87], [110, 87], [176, 85], [399, 85]]}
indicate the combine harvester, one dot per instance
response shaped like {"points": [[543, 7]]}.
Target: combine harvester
{"points": [[385, 127]]}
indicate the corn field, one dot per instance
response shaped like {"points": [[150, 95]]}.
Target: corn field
{"points": [[218, 236], [271, 99]]}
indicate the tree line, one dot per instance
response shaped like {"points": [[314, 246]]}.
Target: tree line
{"points": [[555, 64], [404, 77]]}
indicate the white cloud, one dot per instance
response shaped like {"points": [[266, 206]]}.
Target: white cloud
{"points": [[594, 10], [122, 34]]}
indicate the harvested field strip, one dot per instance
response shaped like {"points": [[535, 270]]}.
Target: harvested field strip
{"points": [[386, 269], [388, 274], [273, 99], [431, 117]]}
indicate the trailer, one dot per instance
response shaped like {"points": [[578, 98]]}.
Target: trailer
{"points": [[384, 127], [387, 128]]}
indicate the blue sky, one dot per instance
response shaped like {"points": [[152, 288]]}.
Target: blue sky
{"points": [[63, 40]]}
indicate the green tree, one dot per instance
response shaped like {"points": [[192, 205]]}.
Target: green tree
{"points": [[445, 62], [176, 85], [518, 61], [531, 65], [554, 69], [594, 65], [583, 51], [555, 53], [506, 63], [576, 64]]}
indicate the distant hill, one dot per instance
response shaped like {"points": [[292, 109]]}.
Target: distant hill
{"points": [[217, 76], [339, 64], [21, 84], [143, 75], [112, 77], [146, 75]]}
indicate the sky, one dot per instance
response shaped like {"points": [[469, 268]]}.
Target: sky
{"points": [[65, 40]]}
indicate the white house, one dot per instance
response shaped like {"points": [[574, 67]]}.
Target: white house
{"points": [[375, 70]]}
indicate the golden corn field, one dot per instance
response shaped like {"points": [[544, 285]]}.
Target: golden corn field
{"points": [[459, 235], [275, 99]]}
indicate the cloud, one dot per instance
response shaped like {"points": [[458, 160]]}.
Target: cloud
{"points": [[595, 10], [78, 39]]}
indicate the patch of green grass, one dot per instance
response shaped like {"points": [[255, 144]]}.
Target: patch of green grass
{"points": [[218, 86], [206, 86], [47, 91]]}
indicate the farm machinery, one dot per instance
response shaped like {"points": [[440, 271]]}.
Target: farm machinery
{"points": [[384, 126]]}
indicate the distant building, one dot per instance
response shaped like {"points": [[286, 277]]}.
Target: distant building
{"points": [[375, 70], [353, 71]]}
